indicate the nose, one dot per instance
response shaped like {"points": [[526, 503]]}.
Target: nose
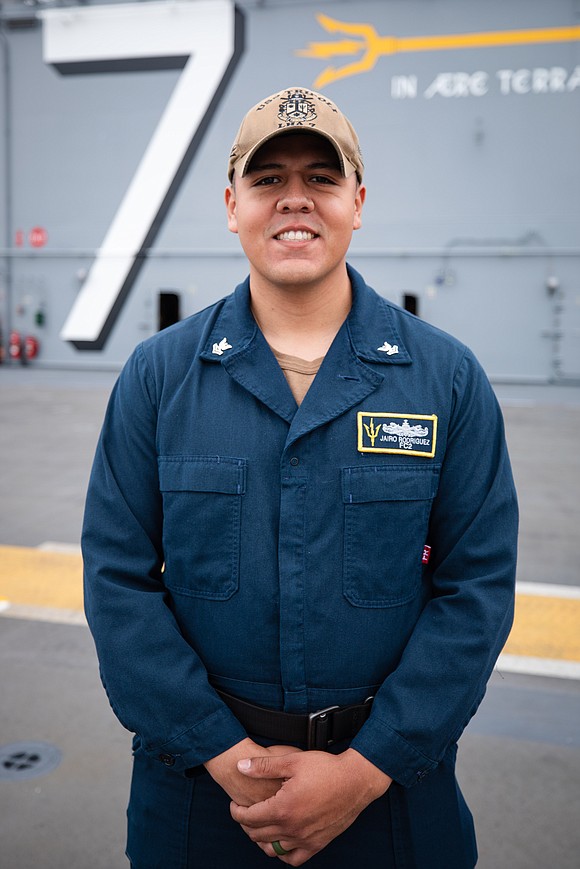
{"points": [[295, 197]]}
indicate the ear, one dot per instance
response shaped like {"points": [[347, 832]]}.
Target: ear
{"points": [[358, 204], [230, 197]]}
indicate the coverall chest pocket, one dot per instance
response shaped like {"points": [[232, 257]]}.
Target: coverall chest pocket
{"points": [[202, 504], [386, 516]]}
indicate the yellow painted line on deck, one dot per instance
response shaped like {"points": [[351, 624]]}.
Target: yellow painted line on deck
{"points": [[546, 627], [545, 638], [37, 578]]}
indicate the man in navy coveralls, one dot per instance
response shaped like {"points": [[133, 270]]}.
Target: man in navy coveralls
{"points": [[299, 543]]}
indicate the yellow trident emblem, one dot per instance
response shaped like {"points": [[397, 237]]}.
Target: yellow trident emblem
{"points": [[371, 46], [372, 432]]}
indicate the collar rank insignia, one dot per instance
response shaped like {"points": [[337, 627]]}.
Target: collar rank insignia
{"points": [[404, 434], [218, 349], [389, 349]]}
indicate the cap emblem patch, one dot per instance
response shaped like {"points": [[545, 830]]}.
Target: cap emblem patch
{"points": [[296, 110]]}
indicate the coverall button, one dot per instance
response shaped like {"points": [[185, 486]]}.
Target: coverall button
{"points": [[167, 759], [294, 461]]}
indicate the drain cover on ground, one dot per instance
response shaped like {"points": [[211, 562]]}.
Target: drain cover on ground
{"points": [[23, 760]]}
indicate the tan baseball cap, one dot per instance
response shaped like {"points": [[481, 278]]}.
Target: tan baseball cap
{"points": [[296, 109]]}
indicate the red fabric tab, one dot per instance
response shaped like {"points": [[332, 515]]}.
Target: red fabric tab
{"points": [[426, 554]]}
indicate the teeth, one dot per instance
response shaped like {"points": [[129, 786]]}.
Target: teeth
{"points": [[298, 235]]}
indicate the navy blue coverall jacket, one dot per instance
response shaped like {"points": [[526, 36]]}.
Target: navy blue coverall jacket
{"points": [[233, 539]]}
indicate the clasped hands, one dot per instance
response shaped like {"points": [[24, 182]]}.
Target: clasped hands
{"points": [[301, 799]]}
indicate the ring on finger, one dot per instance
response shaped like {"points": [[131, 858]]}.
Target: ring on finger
{"points": [[280, 851]]}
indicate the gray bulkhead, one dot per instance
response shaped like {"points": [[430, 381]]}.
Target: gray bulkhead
{"points": [[469, 119]]}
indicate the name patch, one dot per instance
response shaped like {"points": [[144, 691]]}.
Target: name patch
{"points": [[401, 433]]}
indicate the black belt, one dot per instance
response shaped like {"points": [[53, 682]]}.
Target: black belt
{"points": [[317, 730]]}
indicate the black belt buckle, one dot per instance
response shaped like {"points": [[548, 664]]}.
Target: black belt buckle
{"points": [[318, 726]]}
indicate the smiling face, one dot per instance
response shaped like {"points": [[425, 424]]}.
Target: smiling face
{"points": [[295, 213]]}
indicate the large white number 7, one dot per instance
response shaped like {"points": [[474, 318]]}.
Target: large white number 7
{"points": [[206, 36]]}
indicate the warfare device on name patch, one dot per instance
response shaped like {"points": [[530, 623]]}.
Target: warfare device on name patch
{"points": [[400, 433]]}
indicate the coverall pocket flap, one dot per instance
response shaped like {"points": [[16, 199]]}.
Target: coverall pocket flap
{"points": [[223, 475], [390, 483]]}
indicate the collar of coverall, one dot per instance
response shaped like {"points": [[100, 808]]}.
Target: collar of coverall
{"points": [[370, 323]]}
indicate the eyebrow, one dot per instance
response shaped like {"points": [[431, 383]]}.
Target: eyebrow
{"points": [[316, 164]]}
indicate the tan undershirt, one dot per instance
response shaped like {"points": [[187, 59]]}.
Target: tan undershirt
{"points": [[298, 372]]}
